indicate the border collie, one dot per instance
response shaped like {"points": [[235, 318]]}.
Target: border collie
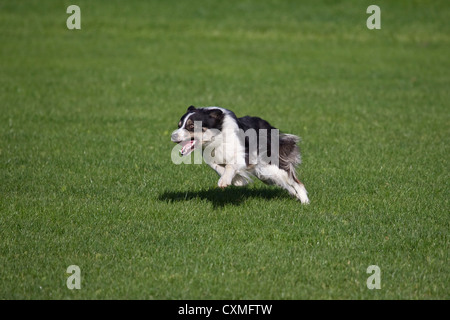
{"points": [[241, 148]]}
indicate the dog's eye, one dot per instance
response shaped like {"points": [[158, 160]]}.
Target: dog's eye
{"points": [[179, 124]]}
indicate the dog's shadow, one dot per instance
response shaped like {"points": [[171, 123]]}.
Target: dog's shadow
{"points": [[219, 198]]}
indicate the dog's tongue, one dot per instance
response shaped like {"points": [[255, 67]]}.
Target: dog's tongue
{"points": [[187, 147]]}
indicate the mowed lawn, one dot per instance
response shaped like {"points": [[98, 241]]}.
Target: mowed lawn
{"points": [[86, 176]]}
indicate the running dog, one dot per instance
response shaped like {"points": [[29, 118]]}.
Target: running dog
{"points": [[241, 148]]}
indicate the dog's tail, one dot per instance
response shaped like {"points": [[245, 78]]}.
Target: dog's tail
{"points": [[289, 154]]}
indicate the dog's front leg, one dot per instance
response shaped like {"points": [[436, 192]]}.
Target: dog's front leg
{"points": [[227, 176], [217, 168]]}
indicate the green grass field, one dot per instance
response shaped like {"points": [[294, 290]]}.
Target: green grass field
{"points": [[86, 176]]}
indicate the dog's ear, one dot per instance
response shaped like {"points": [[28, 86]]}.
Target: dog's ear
{"points": [[216, 113], [191, 108]]}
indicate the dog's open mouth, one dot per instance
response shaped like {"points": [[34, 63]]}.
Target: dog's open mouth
{"points": [[187, 147]]}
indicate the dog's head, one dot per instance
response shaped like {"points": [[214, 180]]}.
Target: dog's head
{"points": [[198, 127]]}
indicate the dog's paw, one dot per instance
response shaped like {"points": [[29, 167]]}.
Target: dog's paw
{"points": [[223, 183], [302, 195], [239, 181]]}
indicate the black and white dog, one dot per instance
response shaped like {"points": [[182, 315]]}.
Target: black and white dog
{"points": [[239, 148]]}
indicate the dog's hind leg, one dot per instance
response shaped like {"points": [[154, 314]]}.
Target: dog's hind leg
{"points": [[300, 190], [273, 175]]}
